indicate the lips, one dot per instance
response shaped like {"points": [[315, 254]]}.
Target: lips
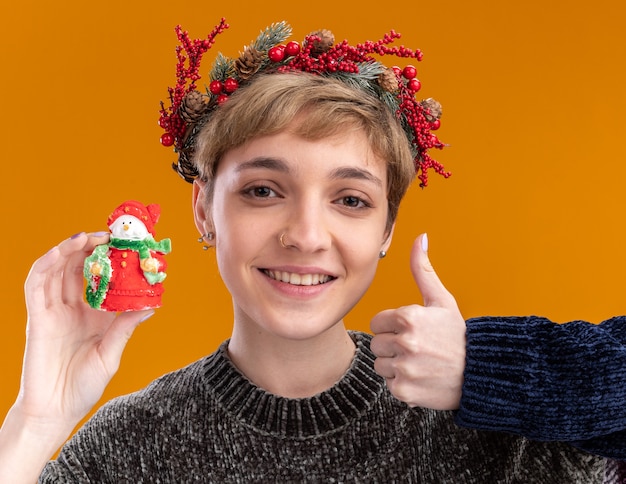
{"points": [[298, 279]]}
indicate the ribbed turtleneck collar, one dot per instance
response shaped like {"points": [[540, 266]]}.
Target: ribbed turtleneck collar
{"points": [[349, 398]]}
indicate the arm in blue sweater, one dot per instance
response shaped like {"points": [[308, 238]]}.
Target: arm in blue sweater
{"points": [[547, 381]]}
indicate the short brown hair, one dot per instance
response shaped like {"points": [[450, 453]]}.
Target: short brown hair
{"points": [[270, 103]]}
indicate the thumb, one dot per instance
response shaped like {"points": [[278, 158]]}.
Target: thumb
{"points": [[114, 341], [432, 289]]}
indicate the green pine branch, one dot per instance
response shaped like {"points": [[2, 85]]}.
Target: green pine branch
{"points": [[222, 67], [273, 35]]}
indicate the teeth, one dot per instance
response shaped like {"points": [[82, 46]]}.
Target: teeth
{"points": [[298, 279]]}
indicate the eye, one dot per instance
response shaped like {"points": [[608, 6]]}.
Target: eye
{"points": [[260, 191], [353, 202]]}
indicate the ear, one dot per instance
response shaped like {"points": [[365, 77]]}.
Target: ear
{"points": [[388, 237], [201, 209]]}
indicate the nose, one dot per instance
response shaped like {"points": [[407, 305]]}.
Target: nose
{"points": [[126, 227], [308, 227]]}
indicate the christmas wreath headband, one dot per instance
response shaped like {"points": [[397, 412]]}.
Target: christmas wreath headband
{"points": [[318, 54]]}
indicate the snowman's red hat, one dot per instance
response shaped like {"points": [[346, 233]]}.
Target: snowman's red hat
{"points": [[148, 214]]}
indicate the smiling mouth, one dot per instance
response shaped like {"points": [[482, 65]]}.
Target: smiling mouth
{"points": [[298, 279]]}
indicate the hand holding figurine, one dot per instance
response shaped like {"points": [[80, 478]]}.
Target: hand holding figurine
{"points": [[72, 351], [73, 348]]}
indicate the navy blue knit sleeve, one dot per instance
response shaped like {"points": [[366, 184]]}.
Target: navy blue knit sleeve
{"points": [[548, 381]]}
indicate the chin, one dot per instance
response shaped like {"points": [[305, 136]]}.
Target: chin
{"points": [[298, 329]]}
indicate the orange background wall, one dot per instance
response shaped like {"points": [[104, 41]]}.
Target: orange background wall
{"points": [[534, 113]]}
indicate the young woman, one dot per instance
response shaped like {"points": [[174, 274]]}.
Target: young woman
{"points": [[299, 179]]}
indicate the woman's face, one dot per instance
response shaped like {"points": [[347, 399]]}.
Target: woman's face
{"points": [[328, 198]]}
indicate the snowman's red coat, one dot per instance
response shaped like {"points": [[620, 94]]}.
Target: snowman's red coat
{"points": [[128, 288]]}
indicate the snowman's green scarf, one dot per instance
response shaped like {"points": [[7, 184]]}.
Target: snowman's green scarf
{"points": [[95, 295]]}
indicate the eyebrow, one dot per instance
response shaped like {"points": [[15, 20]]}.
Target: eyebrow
{"points": [[340, 173], [347, 172], [264, 162]]}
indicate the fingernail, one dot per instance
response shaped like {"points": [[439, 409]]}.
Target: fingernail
{"points": [[147, 316], [425, 243], [76, 235], [99, 234]]}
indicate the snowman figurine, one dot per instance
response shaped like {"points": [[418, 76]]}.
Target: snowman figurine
{"points": [[127, 273]]}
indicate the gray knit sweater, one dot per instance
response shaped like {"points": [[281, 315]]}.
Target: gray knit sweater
{"points": [[208, 423]]}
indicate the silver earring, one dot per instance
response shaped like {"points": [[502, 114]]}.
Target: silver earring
{"points": [[209, 236], [382, 254]]}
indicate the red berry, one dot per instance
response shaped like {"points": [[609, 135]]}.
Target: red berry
{"points": [[397, 70], [276, 53], [434, 125], [231, 85], [216, 87], [414, 85], [292, 48], [409, 72], [163, 122], [222, 98], [167, 139]]}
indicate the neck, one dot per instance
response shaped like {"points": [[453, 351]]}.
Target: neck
{"points": [[292, 368]]}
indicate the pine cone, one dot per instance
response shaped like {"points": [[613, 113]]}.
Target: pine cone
{"points": [[193, 107], [432, 109], [248, 63], [185, 168], [327, 40], [388, 80]]}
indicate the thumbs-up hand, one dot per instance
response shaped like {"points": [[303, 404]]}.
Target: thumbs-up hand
{"points": [[421, 349]]}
